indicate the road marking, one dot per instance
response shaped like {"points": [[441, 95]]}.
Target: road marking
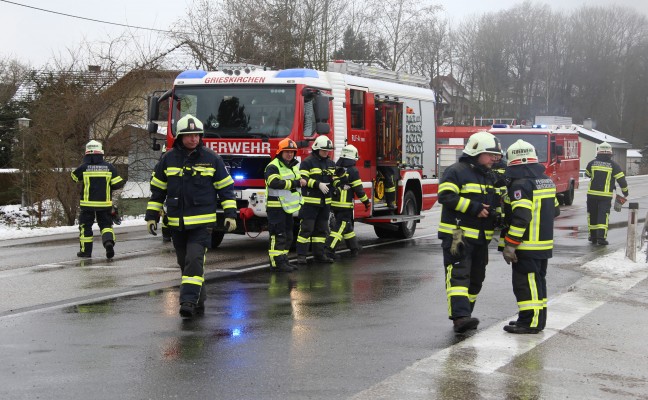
{"points": [[493, 349]]}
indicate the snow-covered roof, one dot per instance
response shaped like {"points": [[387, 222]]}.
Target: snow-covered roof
{"points": [[599, 137], [633, 153]]}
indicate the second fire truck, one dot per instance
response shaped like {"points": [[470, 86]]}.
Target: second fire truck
{"points": [[246, 111]]}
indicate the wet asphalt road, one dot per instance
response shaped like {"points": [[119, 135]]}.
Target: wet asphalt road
{"points": [[326, 331]]}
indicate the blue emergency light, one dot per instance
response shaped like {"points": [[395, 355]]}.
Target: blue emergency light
{"points": [[298, 73], [192, 74], [500, 126], [539, 126], [239, 177]]}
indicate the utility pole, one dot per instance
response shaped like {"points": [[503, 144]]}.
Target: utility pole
{"points": [[23, 125]]}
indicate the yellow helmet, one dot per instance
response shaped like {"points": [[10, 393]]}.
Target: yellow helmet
{"points": [[482, 142], [189, 125], [94, 147], [521, 152]]}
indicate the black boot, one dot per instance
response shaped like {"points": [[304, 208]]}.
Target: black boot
{"points": [[110, 251], [83, 255], [284, 267], [187, 310], [354, 247], [520, 329], [463, 324], [602, 242], [302, 260]]}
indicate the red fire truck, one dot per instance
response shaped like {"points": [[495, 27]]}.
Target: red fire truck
{"points": [[558, 149], [246, 111]]}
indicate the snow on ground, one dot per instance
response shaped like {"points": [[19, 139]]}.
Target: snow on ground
{"points": [[15, 223]]}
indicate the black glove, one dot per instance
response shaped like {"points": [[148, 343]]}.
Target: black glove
{"points": [[367, 204], [339, 171], [114, 214]]}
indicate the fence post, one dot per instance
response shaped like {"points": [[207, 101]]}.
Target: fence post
{"points": [[631, 242]]}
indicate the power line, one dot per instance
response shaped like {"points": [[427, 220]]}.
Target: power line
{"points": [[85, 18]]}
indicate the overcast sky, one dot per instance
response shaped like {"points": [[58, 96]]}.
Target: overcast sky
{"points": [[34, 36]]}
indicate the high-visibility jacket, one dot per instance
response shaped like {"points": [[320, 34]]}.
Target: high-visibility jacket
{"points": [[191, 184], [282, 185], [530, 207], [315, 170], [464, 188], [605, 173], [99, 179], [343, 198]]}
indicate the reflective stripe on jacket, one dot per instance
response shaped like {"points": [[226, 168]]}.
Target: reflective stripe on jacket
{"points": [[463, 190], [530, 208], [192, 184], [604, 173], [315, 170], [343, 199], [282, 190], [99, 180]]}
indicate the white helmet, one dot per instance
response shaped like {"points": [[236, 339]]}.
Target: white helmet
{"points": [[94, 147], [482, 142], [604, 148], [349, 151], [322, 143], [189, 125], [521, 152]]}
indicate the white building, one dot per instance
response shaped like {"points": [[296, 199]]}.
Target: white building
{"points": [[633, 161]]}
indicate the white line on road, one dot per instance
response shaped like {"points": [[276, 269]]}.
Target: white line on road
{"points": [[492, 348]]}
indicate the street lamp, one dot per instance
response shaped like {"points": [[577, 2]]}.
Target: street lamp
{"points": [[23, 124]]}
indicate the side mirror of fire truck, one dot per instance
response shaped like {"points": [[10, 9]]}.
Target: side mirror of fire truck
{"points": [[322, 112]]}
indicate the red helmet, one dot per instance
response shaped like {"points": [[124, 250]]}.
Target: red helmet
{"points": [[287, 144]]}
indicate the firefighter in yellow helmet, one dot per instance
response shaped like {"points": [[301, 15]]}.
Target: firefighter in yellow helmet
{"points": [[99, 179], [469, 199], [604, 173], [342, 204], [530, 207], [283, 199], [192, 179], [317, 172]]}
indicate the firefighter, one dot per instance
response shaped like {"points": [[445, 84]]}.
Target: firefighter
{"points": [[342, 202], [390, 174], [469, 198], [283, 199], [99, 179], [530, 208], [190, 178], [317, 174], [604, 174]]}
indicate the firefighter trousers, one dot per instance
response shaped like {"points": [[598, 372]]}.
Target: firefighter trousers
{"points": [[87, 219], [342, 231], [598, 216], [465, 274], [280, 227], [530, 289], [313, 228], [191, 246]]}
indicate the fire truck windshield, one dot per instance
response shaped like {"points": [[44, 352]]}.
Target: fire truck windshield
{"points": [[540, 142], [238, 111]]}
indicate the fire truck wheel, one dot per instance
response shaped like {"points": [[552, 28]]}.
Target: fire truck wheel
{"points": [[406, 229], [217, 238], [568, 196], [386, 233]]}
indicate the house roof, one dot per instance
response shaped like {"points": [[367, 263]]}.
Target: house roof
{"points": [[633, 153], [600, 137], [96, 80]]}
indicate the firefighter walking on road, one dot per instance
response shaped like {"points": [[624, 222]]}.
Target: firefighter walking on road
{"points": [[604, 174], [283, 200], [349, 184], [317, 173], [191, 179], [469, 201], [99, 179], [530, 207]]}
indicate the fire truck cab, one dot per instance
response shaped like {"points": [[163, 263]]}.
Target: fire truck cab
{"points": [[247, 110], [558, 149]]}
